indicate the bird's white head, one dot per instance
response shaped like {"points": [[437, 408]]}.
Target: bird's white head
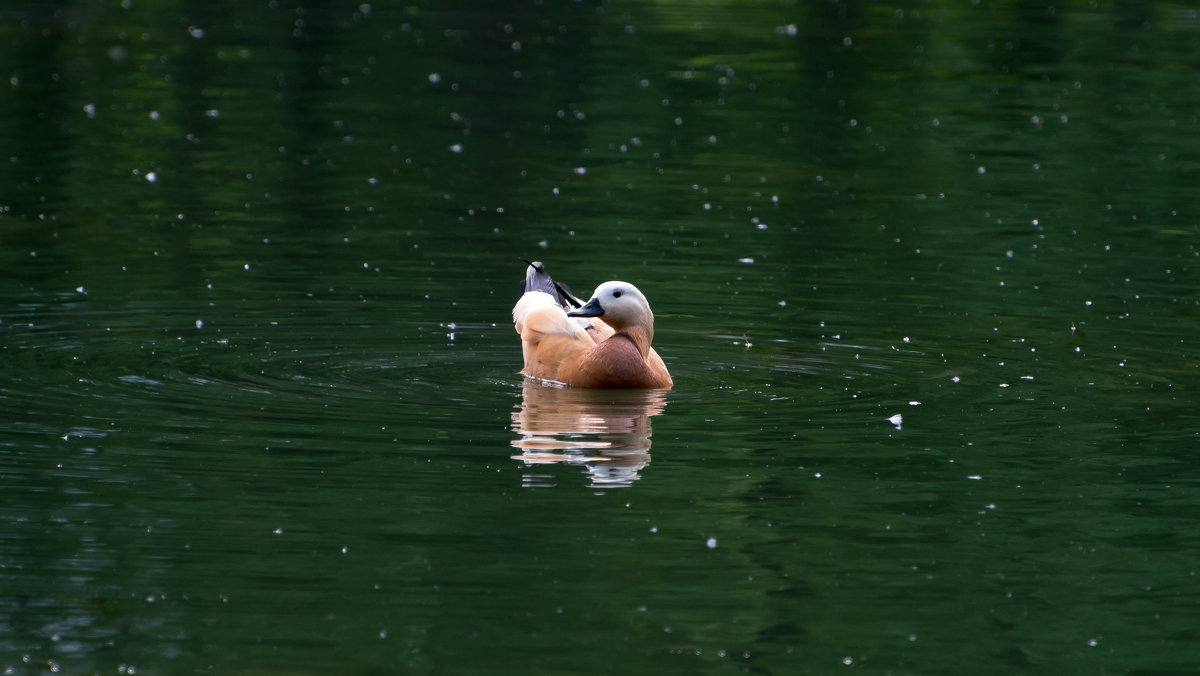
{"points": [[620, 305]]}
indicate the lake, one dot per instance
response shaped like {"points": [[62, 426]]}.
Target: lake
{"points": [[927, 280]]}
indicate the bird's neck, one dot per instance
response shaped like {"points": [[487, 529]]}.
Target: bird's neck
{"points": [[640, 335]]}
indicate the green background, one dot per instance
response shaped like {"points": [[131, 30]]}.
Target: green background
{"points": [[261, 409]]}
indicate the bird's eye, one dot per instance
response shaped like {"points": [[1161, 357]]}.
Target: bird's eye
{"points": [[616, 294]]}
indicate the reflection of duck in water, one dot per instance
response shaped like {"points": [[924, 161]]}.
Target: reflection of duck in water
{"points": [[604, 343], [606, 431]]}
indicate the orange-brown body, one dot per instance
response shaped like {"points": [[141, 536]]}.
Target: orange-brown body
{"points": [[604, 344]]}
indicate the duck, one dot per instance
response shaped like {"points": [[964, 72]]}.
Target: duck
{"points": [[603, 343]]}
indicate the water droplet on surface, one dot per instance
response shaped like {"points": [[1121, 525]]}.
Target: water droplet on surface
{"points": [[711, 543]]}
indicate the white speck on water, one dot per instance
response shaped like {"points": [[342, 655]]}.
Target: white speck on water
{"points": [[914, 403], [1008, 254], [213, 113], [974, 477], [816, 475], [246, 266], [1093, 642], [199, 323], [747, 260], [278, 531], [896, 420], [783, 303], [152, 176], [906, 339], [154, 115], [383, 633], [345, 550], [197, 33], [90, 109], [80, 289], [955, 379], [981, 170], [543, 244], [581, 171], [1003, 384], [435, 78], [711, 543], [456, 148], [653, 529]]}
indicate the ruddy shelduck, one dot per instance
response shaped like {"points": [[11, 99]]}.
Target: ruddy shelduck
{"points": [[603, 343]]}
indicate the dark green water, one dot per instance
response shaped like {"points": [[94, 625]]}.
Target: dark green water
{"points": [[925, 278]]}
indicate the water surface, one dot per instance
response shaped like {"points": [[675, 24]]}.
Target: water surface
{"points": [[924, 278]]}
